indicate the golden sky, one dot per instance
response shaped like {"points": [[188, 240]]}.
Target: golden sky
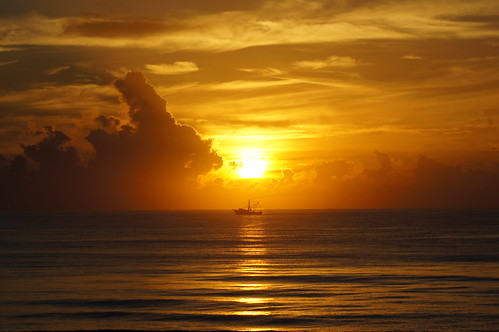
{"points": [[298, 104]]}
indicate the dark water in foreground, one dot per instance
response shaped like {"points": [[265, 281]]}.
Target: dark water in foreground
{"points": [[378, 270]]}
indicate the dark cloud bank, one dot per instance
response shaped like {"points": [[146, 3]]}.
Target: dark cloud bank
{"points": [[153, 162], [149, 163], [429, 185]]}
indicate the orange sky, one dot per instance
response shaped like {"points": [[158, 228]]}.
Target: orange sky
{"points": [[337, 104]]}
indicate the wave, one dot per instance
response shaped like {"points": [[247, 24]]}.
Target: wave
{"points": [[269, 320], [129, 303], [355, 279]]}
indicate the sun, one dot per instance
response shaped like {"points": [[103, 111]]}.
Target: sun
{"points": [[250, 163], [252, 168]]}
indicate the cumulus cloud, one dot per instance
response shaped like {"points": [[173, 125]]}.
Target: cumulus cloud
{"points": [[333, 170], [287, 177], [439, 185], [108, 122], [152, 161], [432, 185], [47, 175], [52, 154], [385, 165], [179, 67], [153, 135]]}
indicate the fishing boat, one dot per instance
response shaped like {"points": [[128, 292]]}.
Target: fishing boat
{"points": [[250, 210]]}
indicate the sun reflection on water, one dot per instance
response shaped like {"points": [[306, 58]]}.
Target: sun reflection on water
{"points": [[253, 267], [252, 300], [253, 263], [252, 313]]}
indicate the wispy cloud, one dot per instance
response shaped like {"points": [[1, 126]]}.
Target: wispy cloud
{"points": [[5, 63], [249, 85], [111, 28], [330, 62], [8, 49], [412, 57], [176, 68], [316, 22], [58, 70]]}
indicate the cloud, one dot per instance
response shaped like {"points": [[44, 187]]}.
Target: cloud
{"points": [[243, 123], [58, 70], [47, 66], [47, 175], [51, 151], [384, 161], [178, 67], [153, 134], [412, 57], [122, 8], [489, 21], [382, 173], [150, 162], [106, 28], [64, 101], [439, 185], [287, 177], [431, 185], [196, 25], [5, 63], [330, 62], [243, 85], [110, 123], [333, 170], [8, 49]]}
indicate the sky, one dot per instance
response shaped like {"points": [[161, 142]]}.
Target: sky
{"points": [[195, 104]]}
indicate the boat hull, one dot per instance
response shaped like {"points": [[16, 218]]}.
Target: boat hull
{"points": [[246, 212]]}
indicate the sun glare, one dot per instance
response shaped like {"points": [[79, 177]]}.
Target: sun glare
{"points": [[252, 168]]}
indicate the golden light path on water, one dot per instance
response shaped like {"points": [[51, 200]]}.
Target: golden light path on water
{"points": [[252, 247]]}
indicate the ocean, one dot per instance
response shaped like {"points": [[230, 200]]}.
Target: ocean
{"points": [[296, 270]]}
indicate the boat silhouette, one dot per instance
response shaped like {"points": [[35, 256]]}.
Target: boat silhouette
{"points": [[250, 210]]}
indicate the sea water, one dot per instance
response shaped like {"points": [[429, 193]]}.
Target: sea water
{"points": [[344, 270]]}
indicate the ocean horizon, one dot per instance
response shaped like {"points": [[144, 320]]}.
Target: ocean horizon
{"points": [[286, 270]]}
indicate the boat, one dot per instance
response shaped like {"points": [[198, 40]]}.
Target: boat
{"points": [[255, 210]]}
